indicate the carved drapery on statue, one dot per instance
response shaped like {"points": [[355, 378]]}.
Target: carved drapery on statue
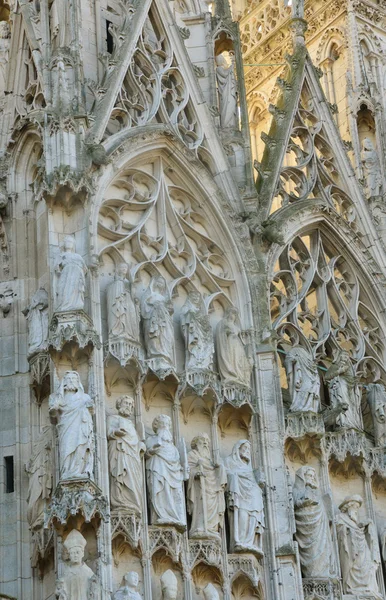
{"points": [[71, 270], [169, 585], [122, 310], [72, 410], [78, 581], [205, 494], [376, 396], [245, 501], [126, 486], [158, 330], [227, 93], [344, 392], [39, 469], [358, 550], [37, 318], [5, 41], [372, 168], [233, 362], [303, 380], [165, 476], [197, 333], [312, 526]]}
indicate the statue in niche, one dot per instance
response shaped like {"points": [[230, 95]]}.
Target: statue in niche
{"points": [[376, 396], [157, 311], [129, 589], [227, 93], [72, 409], [122, 310], [126, 489], [210, 592], [245, 501], [169, 585], [313, 533], [206, 485], [303, 381], [165, 475], [233, 362], [39, 469], [60, 23], [5, 41], [358, 549], [72, 271], [344, 392], [78, 581], [197, 333], [372, 168], [37, 318]]}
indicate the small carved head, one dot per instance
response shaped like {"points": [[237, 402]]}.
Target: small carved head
{"points": [[159, 284], [169, 585], [310, 478], [71, 381], [125, 405], [195, 297], [200, 442], [231, 314], [162, 422], [245, 451], [351, 506], [68, 244], [121, 270], [131, 579], [75, 545]]}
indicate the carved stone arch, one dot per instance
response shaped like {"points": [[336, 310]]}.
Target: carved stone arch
{"points": [[373, 42], [241, 581], [25, 152], [333, 35], [258, 104]]}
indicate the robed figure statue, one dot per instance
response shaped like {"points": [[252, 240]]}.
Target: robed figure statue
{"points": [[158, 330], [303, 380], [71, 284]]}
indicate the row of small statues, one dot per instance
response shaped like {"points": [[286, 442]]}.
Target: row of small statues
{"points": [[155, 310], [357, 538], [167, 467], [304, 386]]}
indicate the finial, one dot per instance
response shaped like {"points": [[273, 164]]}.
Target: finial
{"points": [[298, 23]]}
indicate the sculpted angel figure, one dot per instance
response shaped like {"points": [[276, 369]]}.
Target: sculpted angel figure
{"points": [[72, 271], [39, 469], [37, 318], [197, 332], [233, 362], [312, 526], [165, 475], [358, 550], [157, 311], [245, 501], [227, 93], [122, 310], [344, 392], [72, 410], [125, 449], [303, 380]]}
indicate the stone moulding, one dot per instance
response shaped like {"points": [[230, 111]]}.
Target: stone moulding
{"points": [[207, 551], [128, 525], [300, 424], [323, 589], [76, 496], [246, 564], [167, 538], [72, 326]]}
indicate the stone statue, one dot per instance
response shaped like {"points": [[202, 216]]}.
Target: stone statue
{"points": [[5, 40], [376, 396], [245, 501], [169, 585], [303, 381], [76, 583], [372, 168], [39, 469], [227, 93], [60, 23], [344, 392], [126, 485], [197, 333], [122, 310], [129, 589], [205, 490], [37, 318], [358, 550], [165, 476], [72, 409], [72, 271], [210, 592], [312, 526], [156, 311], [233, 363]]}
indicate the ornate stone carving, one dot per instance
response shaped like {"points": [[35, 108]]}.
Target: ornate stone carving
{"points": [[205, 551], [72, 326], [245, 501], [128, 591], [123, 316], [303, 423], [233, 363], [167, 538], [71, 410], [60, 19], [76, 583], [71, 270], [246, 564], [210, 592], [125, 447], [376, 395], [128, 525], [5, 40], [156, 311], [227, 92], [73, 497], [372, 168], [39, 469], [169, 585], [358, 550], [345, 442], [205, 497], [312, 526], [303, 380], [165, 475], [37, 317], [197, 333], [321, 588], [344, 392]]}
